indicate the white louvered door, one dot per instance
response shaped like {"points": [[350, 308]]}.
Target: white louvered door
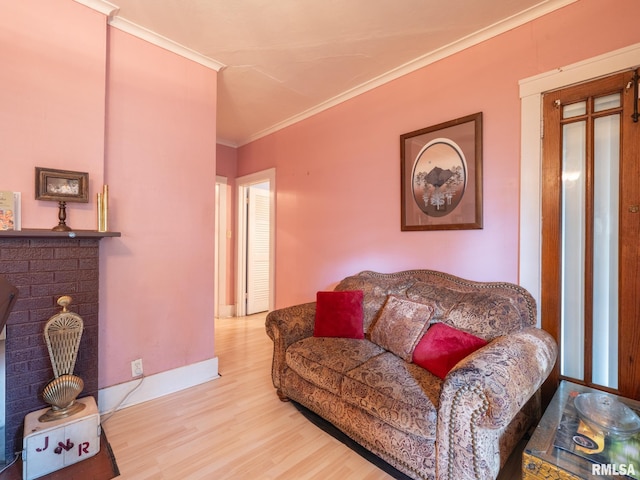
{"points": [[258, 250]]}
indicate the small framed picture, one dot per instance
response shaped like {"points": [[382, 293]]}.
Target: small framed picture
{"points": [[62, 185]]}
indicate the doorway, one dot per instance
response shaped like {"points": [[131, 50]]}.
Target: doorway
{"points": [[256, 243], [531, 93], [590, 231]]}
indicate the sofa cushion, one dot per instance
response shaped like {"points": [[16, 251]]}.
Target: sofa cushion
{"points": [[339, 314], [488, 314], [400, 326], [443, 346], [323, 361], [399, 393], [375, 289]]}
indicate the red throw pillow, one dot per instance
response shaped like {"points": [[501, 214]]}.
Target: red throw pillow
{"points": [[443, 346], [339, 314]]}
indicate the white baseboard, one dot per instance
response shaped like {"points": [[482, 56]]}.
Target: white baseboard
{"points": [[226, 311], [144, 389]]}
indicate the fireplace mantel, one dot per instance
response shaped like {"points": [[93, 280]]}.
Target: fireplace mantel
{"points": [[48, 233]]}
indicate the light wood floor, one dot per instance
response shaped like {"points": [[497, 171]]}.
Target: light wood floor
{"points": [[233, 427]]}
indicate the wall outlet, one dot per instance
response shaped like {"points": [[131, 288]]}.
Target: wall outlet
{"points": [[136, 368]]}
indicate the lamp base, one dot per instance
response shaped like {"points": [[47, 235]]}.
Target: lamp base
{"points": [[59, 413], [61, 394], [62, 216]]}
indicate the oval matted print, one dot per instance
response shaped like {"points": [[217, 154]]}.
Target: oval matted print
{"points": [[439, 177]]}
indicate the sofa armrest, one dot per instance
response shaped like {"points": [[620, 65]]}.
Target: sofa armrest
{"points": [[286, 326], [483, 393], [509, 370]]}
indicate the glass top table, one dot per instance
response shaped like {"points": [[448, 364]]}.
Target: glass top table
{"points": [[541, 459]]}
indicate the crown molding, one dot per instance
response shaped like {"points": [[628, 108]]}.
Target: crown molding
{"points": [[164, 42], [480, 36], [111, 11], [421, 62], [226, 143], [100, 6]]}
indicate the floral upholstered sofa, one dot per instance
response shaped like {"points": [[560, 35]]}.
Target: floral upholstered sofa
{"points": [[437, 375]]}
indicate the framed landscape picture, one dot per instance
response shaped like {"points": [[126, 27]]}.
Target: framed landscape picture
{"points": [[62, 185], [441, 175]]}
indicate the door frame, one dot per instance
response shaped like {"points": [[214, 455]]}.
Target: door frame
{"points": [[531, 91], [220, 249], [243, 183]]}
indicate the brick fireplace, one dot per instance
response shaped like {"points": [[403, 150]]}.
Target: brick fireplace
{"points": [[44, 267]]}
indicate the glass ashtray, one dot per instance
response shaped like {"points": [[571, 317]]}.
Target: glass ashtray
{"points": [[604, 413]]}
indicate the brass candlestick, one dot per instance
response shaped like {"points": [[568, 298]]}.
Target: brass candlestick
{"points": [[103, 209]]}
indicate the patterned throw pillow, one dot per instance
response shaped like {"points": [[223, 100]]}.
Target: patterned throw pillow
{"points": [[400, 326], [444, 346], [339, 314]]}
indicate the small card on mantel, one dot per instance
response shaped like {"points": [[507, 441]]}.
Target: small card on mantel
{"points": [[10, 210]]}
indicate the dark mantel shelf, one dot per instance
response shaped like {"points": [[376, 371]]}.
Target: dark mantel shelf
{"points": [[43, 232]]}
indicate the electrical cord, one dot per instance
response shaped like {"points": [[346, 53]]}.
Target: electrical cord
{"points": [[107, 415], [17, 456]]}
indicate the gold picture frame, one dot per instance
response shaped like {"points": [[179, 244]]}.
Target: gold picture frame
{"points": [[441, 176], [62, 185]]}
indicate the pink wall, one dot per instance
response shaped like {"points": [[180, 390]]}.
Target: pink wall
{"points": [[338, 172], [156, 151], [226, 161], [227, 166], [161, 153], [52, 84]]}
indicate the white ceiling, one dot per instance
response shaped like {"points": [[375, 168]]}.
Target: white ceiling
{"points": [[287, 59]]}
